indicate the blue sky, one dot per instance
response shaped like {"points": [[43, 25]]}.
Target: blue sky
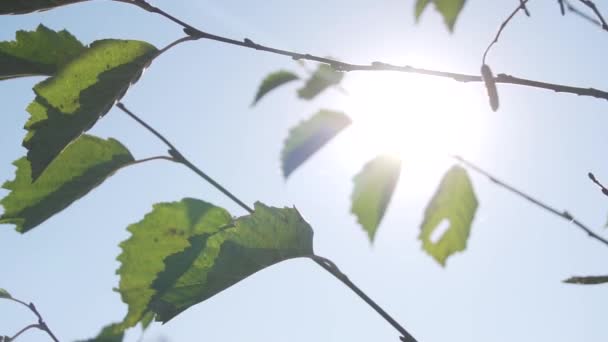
{"points": [[506, 286]]}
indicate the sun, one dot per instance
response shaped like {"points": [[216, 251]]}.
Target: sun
{"points": [[420, 119]]}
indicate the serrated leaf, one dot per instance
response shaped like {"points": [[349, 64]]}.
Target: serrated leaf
{"points": [[206, 260], [273, 81], [449, 10], [373, 189], [40, 52], [163, 232], [591, 280], [454, 202], [70, 103], [324, 77], [309, 136], [27, 6], [83, 165], [5, 294], [110, 333]]}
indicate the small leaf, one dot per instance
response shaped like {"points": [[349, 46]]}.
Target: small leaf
{"points": [[5, 294], [40, 52], [449, 10], [204, 252], [110, 333], [273, 81], [454, 202], [70, 103], [488, 79], [309, 136], [373, 189], [147, 320], [325, 76], [420, 7], [83, 165], [593, 280], [27, 6]]}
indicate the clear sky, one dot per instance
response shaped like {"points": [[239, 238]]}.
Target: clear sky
{"points": [[506, 286]]}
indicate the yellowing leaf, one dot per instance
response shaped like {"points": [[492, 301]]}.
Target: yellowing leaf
{"points": [[324, 77], [449, 10], [70, 103], [373, 189], [455, 204], [82, 166]]}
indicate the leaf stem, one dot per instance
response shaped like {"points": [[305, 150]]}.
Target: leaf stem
{"points": [[375, 66], [522, 6], [326, 264], [41, 323], [563, 214], [31, 326]]}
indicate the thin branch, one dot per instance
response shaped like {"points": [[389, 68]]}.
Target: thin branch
{"points": [[327, 264], [522, 6], [561, 7], [375, 66], [598, 183], [581, 14], [563, 214], [31, 326], [41, 323], [599, 16], [522, 3]]}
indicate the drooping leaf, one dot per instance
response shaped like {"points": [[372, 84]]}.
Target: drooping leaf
{"points": [[449, 10], [69, 103], [82, 166], [5, 294], [273, 81], [325, 76], [27, 6], [163, 232], [454, 203], [40, 52], [210, 256], [309, 136], [147, 320], [373, 189], [592, 280], [110, 333]]}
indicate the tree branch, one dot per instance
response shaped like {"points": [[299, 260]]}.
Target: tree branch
{"points": [[41, 323], [599, 16], [522, 6]]}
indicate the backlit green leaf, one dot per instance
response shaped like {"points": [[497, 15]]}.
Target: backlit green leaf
{"points": [[453, 206], [40, 52], [273, 81], [69, 103], [325, 76], [27, 6], [373, 189], [592, 280], [82, 166], [110, 333], [420, 7], [449, 10], [309, 136], [209, 253], [5, 294]]}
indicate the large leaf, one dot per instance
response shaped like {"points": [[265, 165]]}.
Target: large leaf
{"points": [[325, 76], [110, 333], [27, 6], [70, 103], [455, 204], [373, 189], [5, 294], [40, 52], [82, 166], [309, 136], [208, 254], [591, 280], [273, 81], [449, 10]]}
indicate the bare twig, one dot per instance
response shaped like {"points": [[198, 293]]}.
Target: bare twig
{"points": [[594, 180], [563, 214], [376, 66], [561, 7], [522, 6], [595, 10], [522, 3], [40, 325], [572, 9]]}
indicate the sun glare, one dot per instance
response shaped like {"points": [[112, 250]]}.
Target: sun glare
{"points": [[420, 119]]}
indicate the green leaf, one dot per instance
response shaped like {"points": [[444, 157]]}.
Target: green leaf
{"points": [[273, 81], [309, 136], [147, 320], [82, 166], [449, 10], [373, 189], [40, 52], [70, 103], [210, 253], [593, 280], [110, 333], [454, 203], [325, 76], [27, 6], [5, 294]]}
